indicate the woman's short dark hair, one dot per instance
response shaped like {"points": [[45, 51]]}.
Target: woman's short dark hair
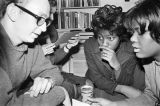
{"points": [[109, 17], [145, 11]]}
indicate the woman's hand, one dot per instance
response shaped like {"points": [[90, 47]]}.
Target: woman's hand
{"points": [[110, 56], [129, 91]]}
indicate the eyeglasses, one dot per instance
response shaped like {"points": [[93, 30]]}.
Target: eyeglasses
{"points": [[40, 20]]}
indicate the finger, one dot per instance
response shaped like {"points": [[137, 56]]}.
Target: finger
{"points": [[50, 51], [105, 48], [105, 57], [50, 46], [44, 83], [107, 54], [38, 88], [72, 41], [34, 87], [46, 51], [28, 92], [48, 87], [75, 37]]}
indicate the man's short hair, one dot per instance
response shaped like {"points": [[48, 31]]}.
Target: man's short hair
{"points": [[5, 3]]}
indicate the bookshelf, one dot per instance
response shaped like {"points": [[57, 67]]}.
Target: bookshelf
{"points": [[76, 14]]}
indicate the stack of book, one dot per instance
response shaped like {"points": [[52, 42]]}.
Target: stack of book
{"points": [[75, 20], [79, 3]]}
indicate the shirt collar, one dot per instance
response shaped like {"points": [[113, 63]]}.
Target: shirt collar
{"points": [[157, 63]]}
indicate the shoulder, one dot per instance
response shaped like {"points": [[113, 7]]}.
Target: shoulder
{"points": [[127, 47], [90, 42], [91, 45], [125, 52], [149, 65]]}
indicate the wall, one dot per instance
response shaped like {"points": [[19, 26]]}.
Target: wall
{"points": [[125, 5]]}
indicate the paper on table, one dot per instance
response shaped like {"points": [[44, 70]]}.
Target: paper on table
{"points": [[79, 103]]}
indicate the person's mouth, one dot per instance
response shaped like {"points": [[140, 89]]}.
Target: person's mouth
{"points": [[36, 35], [136, 49]]}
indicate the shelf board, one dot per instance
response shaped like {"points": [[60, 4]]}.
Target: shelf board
{"points": [[79, 7], [68, 29]]}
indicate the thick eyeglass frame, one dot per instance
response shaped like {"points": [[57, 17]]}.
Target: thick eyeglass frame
{"points": [[40, 20]]}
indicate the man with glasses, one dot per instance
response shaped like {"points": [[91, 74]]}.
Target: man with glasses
{"points": [[27, 78]]}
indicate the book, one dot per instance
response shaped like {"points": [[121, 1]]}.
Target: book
{"points": [[66, 36]]}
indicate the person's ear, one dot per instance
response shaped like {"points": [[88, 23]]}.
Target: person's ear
{"points": [[12, 12]]}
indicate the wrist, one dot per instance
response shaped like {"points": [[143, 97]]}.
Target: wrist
{"points": [[117, 67], [119, 88]]}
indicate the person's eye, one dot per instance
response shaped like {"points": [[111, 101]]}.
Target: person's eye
{"points": [[130, 31], [100, 37], [111, 38]]}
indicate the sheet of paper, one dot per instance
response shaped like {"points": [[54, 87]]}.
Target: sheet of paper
{"points": [[79, 103], [66, 36]]}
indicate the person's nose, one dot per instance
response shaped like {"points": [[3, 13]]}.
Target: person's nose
{"points": [[134, 37], [105, 43]]}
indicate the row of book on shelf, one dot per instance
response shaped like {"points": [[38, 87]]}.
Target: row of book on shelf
{"points": [[76, 20], [79, 3]]}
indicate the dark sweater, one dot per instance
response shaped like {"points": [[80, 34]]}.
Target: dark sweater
{"points": [[103, 75]]}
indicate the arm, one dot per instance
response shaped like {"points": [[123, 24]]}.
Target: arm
{"points": [[95, 74], [5, 87], [126, 79], [142, 100], [58, 56], [146, 99], [129, 91], [42, 67], [139, 101]]}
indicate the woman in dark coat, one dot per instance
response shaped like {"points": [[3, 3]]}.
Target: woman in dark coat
{"points": [[112, 64]]}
